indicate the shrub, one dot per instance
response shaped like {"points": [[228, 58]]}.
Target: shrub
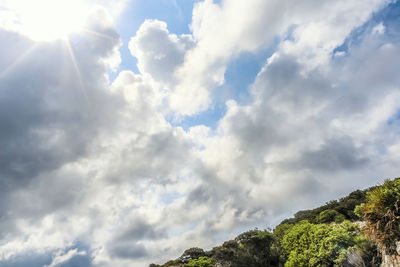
{"points": [[200, 262], [382, 215], [309, 244], [253, 248], [328, 216]]}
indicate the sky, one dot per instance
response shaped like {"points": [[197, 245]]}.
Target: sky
{"points": [[131, 130]]}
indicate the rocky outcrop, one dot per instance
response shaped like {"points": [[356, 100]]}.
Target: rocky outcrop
{"points": [[391, 260]]}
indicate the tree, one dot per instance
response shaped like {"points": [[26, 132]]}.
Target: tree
{"points": [[192, 253], [309, 244], [200, 262], [254, 248], [328, 216]]}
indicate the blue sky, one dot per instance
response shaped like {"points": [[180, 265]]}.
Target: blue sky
{"points": [[240, 73], [131, 130], [177, 14]]}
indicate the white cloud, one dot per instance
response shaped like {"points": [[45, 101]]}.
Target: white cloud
{"points": [[84, 160], [379, 29], [222, 32], [64, 257], [159, 52]]}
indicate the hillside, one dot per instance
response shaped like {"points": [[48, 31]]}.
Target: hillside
{"points": [[361, 229]]}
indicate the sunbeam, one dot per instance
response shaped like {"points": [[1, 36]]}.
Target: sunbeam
{"points": [[18, 61], [76, 68], [102, 35]]}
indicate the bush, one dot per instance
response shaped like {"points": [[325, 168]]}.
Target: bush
{"points": [[194, 252], [309, 244], [200, 262], [328, 216], [344, 206], [191, 254], [253, 248], [382, 214]]}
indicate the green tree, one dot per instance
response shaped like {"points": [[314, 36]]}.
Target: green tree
{"points": [[200, 262], [254, 248], [279, 232], [193, 253], [328, 216], [309, 244]]}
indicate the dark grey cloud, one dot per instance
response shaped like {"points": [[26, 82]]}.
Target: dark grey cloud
{"points": [[53, 103], [129, 250], [49, 109], [126, 241], [335, 155], [49, 192], [151, 156], [201, 194], [138, 229]]}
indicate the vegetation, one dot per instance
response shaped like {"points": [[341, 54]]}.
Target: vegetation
{"points": [[382, 215], [200, 262], [307, 244], [331, 235], [193, 253], [252, 248], [333, 211]]}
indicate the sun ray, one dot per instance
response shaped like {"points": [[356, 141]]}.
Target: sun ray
{"points": [[18, 61], [106, 36], [77, 70]]}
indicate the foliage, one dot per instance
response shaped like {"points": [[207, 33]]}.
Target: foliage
{"points": [[344, 206], [200, 262], [194, 252], [367, 250], [328, 216], [382, 214], [252, 248], [227, 252], [309, 244], [279, 233], [171, 263]]}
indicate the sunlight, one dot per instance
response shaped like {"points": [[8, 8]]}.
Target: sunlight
{"points": [[76, 68], [45, 20], [17, 61]]}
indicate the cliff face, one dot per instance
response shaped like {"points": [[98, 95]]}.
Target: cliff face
{"points": [[391, 260]]}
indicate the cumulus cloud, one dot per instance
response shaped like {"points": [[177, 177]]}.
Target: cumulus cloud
{"points": [[294, 129], [87, 160], [222, 32], [53, 102], [159, 52]]}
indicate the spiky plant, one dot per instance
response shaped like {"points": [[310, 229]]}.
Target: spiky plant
{"points": [[382, 215]]}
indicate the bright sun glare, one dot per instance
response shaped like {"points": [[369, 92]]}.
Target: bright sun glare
{"points": [[45, 20]]}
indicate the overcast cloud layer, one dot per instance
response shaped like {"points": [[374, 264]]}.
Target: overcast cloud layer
{"points": [[96, 171]]}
